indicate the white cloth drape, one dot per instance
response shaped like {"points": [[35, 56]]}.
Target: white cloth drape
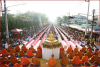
{"points": [[46, 53]]}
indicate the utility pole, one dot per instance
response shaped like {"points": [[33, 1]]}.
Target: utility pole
{"points": [[92, 25], [6, 23], [87, 17]]}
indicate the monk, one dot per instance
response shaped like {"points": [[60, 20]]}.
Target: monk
{"points": [[52, 61], [29, 53], [39, 47], [94, 58], [76, 60], [69, 49], [17, 48], [96, 51], [76, 50], [83, 49], [14, 59], [4, 64], [80, 54], [62, 53], [18, 64], [35, 61], [13, 51], [61, 48], [3, 51], [84, 59], [71, 54], [6, 59], [21, 53], [64, 60], [9, 48], [89, 48], [24, 60], [24, 48], [38, 53], [95, 64], [88, 53], [33, 50]]}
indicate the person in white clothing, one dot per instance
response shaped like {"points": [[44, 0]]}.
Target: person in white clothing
{"points": [[6, 45]]}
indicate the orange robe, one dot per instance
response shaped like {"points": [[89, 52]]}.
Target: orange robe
{"points": [[35, 61], [17, 65], [24, 48], [7, 61], [84, 59], [76, 50], [71, 55], [88, 54], [17, 48], [89, 48], [62, 53], [4, 65], [94, 58], [40, 48], [13, 51], [61, 48], [33, 50], [83, 49], [21, 53], [38, 54], [76, 60], [69, 49], [3, 51], [80, 54], [52, 61], [24, 61], [64, 60], [9, 48], [14, 60], [29, 53]]}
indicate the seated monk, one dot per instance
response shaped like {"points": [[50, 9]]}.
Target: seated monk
{"points": [[76, 50], [13, 51], [61, 48], [24, 60], [95, 64], [21, 53], [35, 61], [71, 54], [96, 51], [24, 48], [9, 48], [84, 59], [5, 58], [39, 47], [14, 59], [62, 53], [52, 61], [69, 49], [18, 64], [29, 53], [80, 54], [94, 58], [64, 60], [83, 49], [38, 53], [4, 64], [76, 60], [3, 51], [88, 54], [17, 48], [89, 48], [32, 48]]}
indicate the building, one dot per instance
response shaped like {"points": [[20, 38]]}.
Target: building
{"points": [[78, 19]]}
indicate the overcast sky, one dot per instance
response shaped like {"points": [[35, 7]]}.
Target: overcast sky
{"points": [[54, 9]]}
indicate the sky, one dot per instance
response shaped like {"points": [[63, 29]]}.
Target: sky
{"points": [[53, 9]]}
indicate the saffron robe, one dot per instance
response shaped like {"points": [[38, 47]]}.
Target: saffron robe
{"points": [[52, 61]]}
